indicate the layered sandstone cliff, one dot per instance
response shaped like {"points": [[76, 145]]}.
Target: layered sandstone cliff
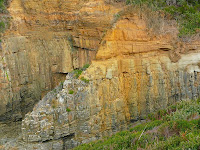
{"points": [[46, 40], [135, 72]]}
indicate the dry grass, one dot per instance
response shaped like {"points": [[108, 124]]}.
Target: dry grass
{"points": [[54, 103], [157, 21]]}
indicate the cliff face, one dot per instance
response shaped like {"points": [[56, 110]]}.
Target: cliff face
{"points": [[148, 72], [46, 40], [134, 73]]}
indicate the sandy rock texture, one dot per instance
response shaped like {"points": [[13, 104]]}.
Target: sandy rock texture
{"points": [[46, 40], [132, 76]]}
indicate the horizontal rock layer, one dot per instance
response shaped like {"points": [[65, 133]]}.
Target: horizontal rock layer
{"points": [[46, 40], [135, 72], [134, 75]]}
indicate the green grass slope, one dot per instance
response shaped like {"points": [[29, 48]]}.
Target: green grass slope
{"points": [[175, 128]]}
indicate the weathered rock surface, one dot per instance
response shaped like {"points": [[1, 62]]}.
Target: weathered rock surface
{"points": [[11, 139], [133, 75], [46, 40], [135, 72]]}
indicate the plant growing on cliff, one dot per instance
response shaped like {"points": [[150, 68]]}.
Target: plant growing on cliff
{"points": [[85, 67], [62, 83], [85, 80], [7, 76], [185, 12], [71, 92], [4, 17], [78, 72], [68, 109], [2, 6], [54, 103], [2, 26], [71, 42]]}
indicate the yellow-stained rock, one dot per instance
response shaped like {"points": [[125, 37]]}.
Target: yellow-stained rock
{"points": [[46, 40], [135, 73]]}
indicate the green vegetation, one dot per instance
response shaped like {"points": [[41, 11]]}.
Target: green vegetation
{"points": [[2, 26], [177, 127], [4, 18], [71, 92], [2, 6], [78, 72], [85, 80], [186, 12], [68, 110], [54, 90], [85, 66], [62, 83], [7, 76]]}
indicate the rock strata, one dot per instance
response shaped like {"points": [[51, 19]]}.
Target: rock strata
{"points": [[131, 78], [46, 40], [135, 72]]}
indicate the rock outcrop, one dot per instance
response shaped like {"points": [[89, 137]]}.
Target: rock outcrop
{"points": [[46, 40], [135, 73]]}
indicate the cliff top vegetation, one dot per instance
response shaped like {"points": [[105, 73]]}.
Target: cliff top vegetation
{"points": [[185, 12]]}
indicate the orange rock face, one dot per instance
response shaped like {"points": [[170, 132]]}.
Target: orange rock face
{"points": [[135, 71], [145, 71], [46, 40], [133, 75]]}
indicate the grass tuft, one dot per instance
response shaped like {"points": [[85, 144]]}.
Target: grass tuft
{"points": [[71, 92], [78, 72], [85, 80], [68, 109]]}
